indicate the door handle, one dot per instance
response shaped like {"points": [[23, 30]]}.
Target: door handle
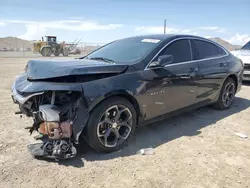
{"points": [[223, 64], [191, 73], [191, 70], [187, 76]]}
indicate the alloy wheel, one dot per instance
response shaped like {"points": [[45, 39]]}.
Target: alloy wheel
{"points": [[114, 126], [228, 94]]}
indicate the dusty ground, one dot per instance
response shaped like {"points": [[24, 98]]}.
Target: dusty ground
{"points": [[196, 149]]}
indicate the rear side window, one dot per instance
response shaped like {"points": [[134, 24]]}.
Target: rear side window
{"points": [[180, 50], [203, 50], [221, 52]]}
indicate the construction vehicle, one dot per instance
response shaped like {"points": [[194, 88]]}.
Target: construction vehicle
{"points": [[50, 46], [75, 51]]}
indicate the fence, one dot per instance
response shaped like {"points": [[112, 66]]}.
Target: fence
{"points": [[86, 48], [26, 50]]}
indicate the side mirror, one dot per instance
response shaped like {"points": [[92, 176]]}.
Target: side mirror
{"points": [[165, 59], [162, 61]]}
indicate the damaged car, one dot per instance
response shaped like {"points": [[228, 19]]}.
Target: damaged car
{"points": [[104, 95]]}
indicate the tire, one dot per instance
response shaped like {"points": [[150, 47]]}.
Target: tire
{"points": [[94, 127], [221, 104], [65, 52], [46, 52], [57, 53]]}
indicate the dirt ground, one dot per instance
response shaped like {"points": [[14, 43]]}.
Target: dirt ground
{"points": [[196, 149]]}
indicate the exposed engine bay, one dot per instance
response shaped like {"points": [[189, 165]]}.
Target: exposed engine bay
{"points": [[58, 95], [53, 114]]}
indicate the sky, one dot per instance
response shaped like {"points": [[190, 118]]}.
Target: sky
{"points": [[101, 21]]}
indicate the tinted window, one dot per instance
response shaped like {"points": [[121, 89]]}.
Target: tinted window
{"points": [[202, 50], [221, 51], [246, 46], [180, 50]]}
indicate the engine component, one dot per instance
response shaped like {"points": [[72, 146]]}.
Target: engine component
{"points": [[53, 149], [49, 112], [56, 130], [59, 149], [66, 128], [48, 147]]}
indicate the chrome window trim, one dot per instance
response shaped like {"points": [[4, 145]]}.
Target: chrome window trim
{"points": [[190, 47], [188, 38]]}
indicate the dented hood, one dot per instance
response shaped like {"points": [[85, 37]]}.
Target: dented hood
{"points": [[44, 69]]}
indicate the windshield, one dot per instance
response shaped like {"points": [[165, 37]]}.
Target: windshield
{"points": [[125, 50]]}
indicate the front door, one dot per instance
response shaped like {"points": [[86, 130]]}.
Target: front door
{"points": [[171, 87]]}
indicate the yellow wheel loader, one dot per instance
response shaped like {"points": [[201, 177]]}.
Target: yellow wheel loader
{"points": [[50, 46]]}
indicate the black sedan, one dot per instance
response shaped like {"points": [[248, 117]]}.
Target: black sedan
{"points": [[103, 96]]}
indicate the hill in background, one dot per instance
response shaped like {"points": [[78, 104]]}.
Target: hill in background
{"points": [[16, 44], [226, 44]]}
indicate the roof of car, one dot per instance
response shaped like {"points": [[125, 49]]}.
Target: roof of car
{"points": [[166, 36], [157, 36]]}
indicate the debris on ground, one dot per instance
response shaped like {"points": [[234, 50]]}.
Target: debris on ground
{"points": [[145, 151], [241, 135]]}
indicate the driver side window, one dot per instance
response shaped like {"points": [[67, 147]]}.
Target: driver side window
{"points": [[180, 50]]}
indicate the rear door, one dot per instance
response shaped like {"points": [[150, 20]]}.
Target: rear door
{"points": [[213, 68]]}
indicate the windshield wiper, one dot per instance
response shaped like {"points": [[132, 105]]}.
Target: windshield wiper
{"points": [[82, 57], [103, 59]]}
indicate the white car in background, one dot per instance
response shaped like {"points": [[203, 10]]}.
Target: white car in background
{"points": [[244, 55]]}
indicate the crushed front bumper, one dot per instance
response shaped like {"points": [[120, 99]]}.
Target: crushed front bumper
{"points": [[19, 99], [22, 92]]}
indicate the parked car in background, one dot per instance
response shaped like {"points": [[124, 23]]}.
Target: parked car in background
{"points": [[244, 55], [103, 96]]}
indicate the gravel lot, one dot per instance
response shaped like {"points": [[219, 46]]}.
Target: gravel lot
{"points": [[196, 149]]}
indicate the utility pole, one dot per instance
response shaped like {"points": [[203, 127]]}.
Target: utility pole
{"points": [[165, 25]]}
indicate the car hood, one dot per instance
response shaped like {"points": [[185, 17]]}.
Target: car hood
{"points": [[45, 69]]}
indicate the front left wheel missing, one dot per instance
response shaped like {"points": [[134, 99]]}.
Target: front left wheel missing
{"points": [[111, 124]]}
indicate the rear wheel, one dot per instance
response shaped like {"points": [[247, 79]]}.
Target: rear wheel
{"points": [[65, 52], [227, 95], [57, 52], [46, 52], [111, 124]]}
